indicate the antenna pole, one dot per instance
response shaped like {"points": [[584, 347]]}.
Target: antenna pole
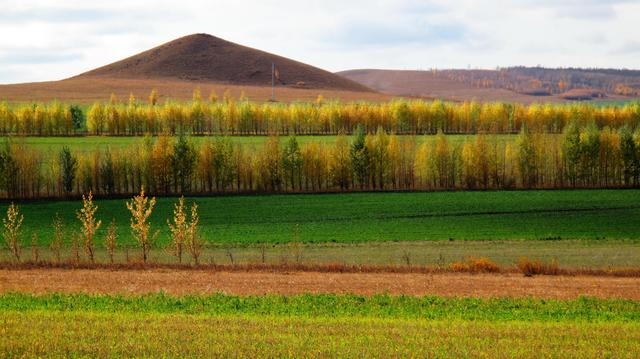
{"points": [[273, 81]]}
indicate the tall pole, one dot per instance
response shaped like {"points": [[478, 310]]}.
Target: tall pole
{"points": [[273, 81]]}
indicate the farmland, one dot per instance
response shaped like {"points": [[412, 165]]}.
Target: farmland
{"points": [[52, 145], [205, 199], [325, 325], [365, 217]]}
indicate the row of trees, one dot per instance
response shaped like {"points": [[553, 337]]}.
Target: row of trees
{"points": [[579, 157], [183, 229], [53, 119], [230, 117]]}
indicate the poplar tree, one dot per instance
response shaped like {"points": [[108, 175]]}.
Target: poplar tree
{"points": [[629, 154], [292, 162], [526, 154], [571, 152], [183, 163], [68, 166], [360, 157]]}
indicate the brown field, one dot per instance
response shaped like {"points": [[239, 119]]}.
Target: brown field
{"points": [[88, 90], [181, 282]]}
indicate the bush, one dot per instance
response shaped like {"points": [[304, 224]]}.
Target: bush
{"points": [[475, 265], [530, 267]]}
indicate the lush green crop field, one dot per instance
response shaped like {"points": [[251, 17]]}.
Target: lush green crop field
{"points": [[579, 228], [363, 217], [316, 325], [81, 144]]}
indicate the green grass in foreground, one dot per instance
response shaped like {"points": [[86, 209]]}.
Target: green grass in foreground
{"points": [[376, 217], [316, 325], [333, 305]]}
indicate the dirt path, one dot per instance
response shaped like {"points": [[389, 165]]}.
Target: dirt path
{"points": [[178, 282]]}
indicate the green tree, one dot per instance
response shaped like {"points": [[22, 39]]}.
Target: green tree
{"points": [[107, 175], [571, 150], [8, 171], [380, 158], [77, 117], [292, 162], [183, 162], [590, 153], [629, 154], [68, 167], [222, 163], [360, 157], [526, 158]]}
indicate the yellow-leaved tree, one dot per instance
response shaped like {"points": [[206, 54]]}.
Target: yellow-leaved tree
{"points": [[87, 215], [141, 208], [11, 233], [179, 229]]}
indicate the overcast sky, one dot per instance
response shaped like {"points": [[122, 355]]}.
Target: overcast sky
{"points": [[51, 40]]}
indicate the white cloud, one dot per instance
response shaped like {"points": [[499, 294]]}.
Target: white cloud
{"points": [[44, 40]]}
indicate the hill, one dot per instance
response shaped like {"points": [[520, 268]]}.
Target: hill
{"points": [[203, 57], [201, 61], [431, 85], [518, 84], [553, 81]]}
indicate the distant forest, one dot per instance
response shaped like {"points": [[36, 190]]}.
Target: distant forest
{"points": [[573, 83]]}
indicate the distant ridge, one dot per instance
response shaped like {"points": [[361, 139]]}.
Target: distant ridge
{"points": [[202, 57]]}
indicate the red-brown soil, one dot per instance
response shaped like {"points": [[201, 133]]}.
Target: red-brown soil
{"points": [[180, 282]]}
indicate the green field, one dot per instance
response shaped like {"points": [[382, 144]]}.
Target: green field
{"points": [[316, 325], [579, 228], [364, 217], [81, 144]]}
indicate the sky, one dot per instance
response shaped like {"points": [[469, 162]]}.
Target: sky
{"points": [[51, 40]]}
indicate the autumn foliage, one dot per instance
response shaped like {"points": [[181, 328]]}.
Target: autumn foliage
{"points": [[579, 157], [242, 117]]}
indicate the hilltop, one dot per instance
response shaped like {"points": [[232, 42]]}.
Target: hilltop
{"points": [[202, 57], [201, 61]]}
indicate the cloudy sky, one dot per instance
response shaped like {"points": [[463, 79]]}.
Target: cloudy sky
{"points": [[50, 40]]}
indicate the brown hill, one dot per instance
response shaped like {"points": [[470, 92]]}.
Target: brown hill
{"points": [[202, 57], [90, 89], [433, 85]]}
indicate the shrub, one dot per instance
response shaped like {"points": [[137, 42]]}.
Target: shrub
{"points": [[110, 240], [530, 267], [475, 265], [11, 233], [58, 236], [194, 243], [35, 250]]}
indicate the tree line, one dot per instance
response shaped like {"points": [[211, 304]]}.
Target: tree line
{"points": [[242, 117], [579, 157]]}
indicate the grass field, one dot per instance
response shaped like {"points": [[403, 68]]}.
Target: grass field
{"points": [[365, 217], [316, 325], [579, 228], [82, 144]]}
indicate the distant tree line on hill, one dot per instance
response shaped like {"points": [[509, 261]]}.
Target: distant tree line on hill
{"points": [[582, 156], [242, 117], [548, 81]]}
